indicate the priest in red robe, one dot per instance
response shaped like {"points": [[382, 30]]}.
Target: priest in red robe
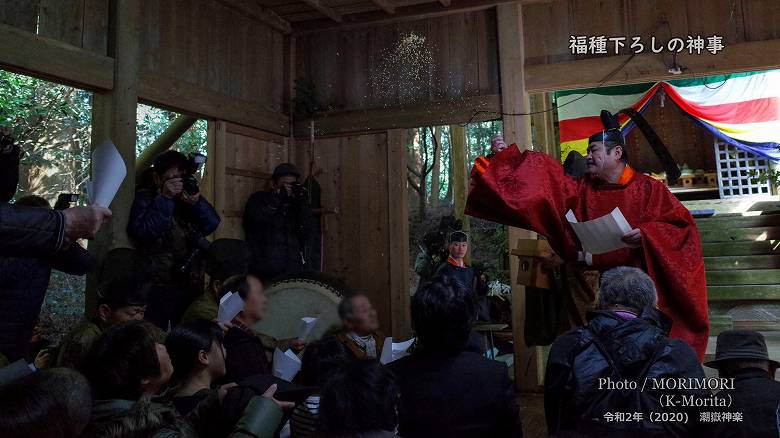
{"points": [[530, 190]]}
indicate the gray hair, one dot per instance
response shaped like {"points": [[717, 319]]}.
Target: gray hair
{"points": [[628, 287], [347, 306]]}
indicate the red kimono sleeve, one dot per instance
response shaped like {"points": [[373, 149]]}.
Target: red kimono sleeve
{"points": [[671, 248], [526, 190]]}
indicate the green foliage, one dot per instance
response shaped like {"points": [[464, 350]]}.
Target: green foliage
{"points": [[52, 125], [152, 121]]}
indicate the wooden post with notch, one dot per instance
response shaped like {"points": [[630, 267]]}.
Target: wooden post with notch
{"points": [[517, 129], [114, 118]]}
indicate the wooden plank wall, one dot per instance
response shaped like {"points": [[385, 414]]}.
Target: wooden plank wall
{"points": [[206, 44], [342, 64], [361, 241], [551, 23], [199, 42], [244, 159], [82, 23]]}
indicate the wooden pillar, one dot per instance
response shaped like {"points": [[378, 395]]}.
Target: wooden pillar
{"points": [[517, 129], [398, 235], [114, 117], [460, 178], [543, 126]]}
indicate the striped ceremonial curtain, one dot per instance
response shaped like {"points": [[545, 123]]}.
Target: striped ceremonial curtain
{"points": [[742, 109]]}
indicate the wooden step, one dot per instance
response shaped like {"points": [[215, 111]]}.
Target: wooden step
{"points": [[742, 262], [740, 248], [729, 222], [752, 276], [739, 234], [762, 292]]}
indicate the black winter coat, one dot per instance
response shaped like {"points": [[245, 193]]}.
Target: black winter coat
{"points": [[23, 284], [276, 233], [245, 356], [757, 397], [574, 404], [30, 231], [460, 396]]}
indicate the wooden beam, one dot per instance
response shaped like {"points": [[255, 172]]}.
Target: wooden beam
{"points": [[172, 133], [650, 67], [324, 10], [402, 13], [464, 110], [195, 100], [517, 129], [398, 235], [251, 9], [385, 5], [26, 53], [114, 117]]}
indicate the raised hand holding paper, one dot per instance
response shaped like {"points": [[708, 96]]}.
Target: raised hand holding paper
{"points": [[286, 365], [230, 305], [601, 235], [108, 172], [306, 327]]}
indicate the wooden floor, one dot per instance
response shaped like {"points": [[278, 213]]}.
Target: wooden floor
{"points": [[532, 414]]}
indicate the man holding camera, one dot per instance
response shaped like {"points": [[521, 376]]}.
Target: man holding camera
{"points": [[169, 221], [275, 224]]}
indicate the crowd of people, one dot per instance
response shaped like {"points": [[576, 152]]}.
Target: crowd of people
{"points": [[151, 360]]}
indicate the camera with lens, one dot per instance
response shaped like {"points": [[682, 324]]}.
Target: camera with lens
{"points": [[6, 144], [66, 200], [299, 191], [190, 183]]}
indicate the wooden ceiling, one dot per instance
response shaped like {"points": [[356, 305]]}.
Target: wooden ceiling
{"points": [[298, 16]]}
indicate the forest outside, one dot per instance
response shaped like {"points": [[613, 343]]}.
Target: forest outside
{"points": [[430, 160], [52, 125]]}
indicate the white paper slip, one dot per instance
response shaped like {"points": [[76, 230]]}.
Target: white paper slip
{"points": [[286, 365], [230, 305], [108, 172], [601, 235], [392, 351], [306, 327]]}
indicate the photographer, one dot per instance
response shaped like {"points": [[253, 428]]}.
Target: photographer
{"points": [[275, 224], [10, 154], [168, 223]]}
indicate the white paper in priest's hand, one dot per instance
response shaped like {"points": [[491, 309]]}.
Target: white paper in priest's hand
{"points": [[306, 327], [108, 172], [230, 305], [601, 235], [286, 365]]}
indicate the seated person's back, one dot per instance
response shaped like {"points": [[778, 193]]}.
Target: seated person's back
{"points": [[625, 339], [445, 390], [321, 360], [742, 355]]}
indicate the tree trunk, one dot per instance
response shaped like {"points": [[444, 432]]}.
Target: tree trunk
{"points": [[458, 152], [436, 173], [423, 175]]}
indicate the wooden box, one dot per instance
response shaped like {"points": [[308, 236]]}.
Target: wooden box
{"points": [[531, 254], [687, 181], [712, 179]]}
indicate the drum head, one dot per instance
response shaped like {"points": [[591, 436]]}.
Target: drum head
{"points": [[301, 295]]}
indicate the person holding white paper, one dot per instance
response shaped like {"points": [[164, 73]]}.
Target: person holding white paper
{"points": [[529, 190], [248, 352], [361, 333]]}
